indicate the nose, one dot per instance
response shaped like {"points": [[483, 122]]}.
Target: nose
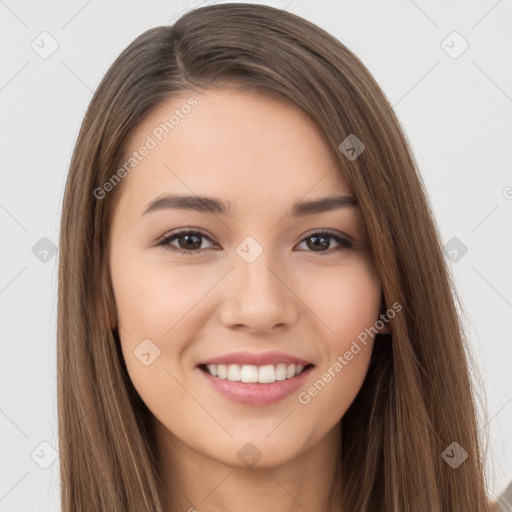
{"points": [[258, 298]]}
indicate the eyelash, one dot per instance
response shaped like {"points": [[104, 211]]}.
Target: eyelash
{"points": [[166, 240]]}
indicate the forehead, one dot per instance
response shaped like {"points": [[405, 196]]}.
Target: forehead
{"points": [[221, 141]]}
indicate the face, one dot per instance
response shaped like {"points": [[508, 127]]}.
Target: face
{"points": [[240, 316]]}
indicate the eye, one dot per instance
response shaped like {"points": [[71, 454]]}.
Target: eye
{"points": [[319, 241], [190, 241]]}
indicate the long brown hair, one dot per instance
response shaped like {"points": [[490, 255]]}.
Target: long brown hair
{"points": [[418, 395]]}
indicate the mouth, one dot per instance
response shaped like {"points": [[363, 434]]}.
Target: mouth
{"points": [[255, 379], [252, 374]]}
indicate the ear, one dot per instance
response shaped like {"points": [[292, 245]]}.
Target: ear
{"points": [[385, 330]]}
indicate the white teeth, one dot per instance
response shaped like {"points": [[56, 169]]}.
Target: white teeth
{"points": [[267, 374], [281, 371], [223, 371], [233, 372], [249, 373], [212, 368]]}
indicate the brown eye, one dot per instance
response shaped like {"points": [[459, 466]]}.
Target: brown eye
{"points": [[320, 241], [189, 242], [192, 241]]}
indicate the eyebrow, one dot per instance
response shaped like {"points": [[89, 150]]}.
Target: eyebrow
{"points": [[205, 204]]}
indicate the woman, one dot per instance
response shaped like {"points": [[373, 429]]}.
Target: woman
{"points": [[312, 358]]}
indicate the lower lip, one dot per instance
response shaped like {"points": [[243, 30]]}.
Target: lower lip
{"points": [[256, 393]]}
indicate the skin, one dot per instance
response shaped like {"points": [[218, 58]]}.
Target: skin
{"points": [[262, 155]]}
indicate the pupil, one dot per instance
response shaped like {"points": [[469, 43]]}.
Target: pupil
{"points": [[316, 244], [191, 243]]}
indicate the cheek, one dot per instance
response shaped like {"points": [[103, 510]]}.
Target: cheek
{"points": [[350, 310], [152, 304], [152, 298], [156, 310], [346, 300]]}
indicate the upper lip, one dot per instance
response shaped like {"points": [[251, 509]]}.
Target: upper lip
{"points": [[251, 358]]}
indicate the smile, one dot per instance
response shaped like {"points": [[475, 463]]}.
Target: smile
{"points": [[247, 373], [255, 379]]}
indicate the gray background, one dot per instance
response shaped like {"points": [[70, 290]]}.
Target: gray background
{"points": [[455, 111]]}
